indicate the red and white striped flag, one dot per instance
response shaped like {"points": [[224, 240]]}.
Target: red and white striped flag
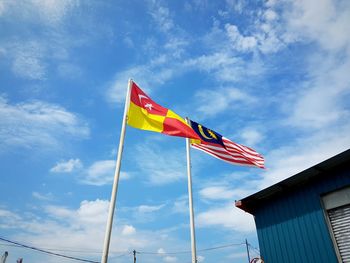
{"points": [[222, 148]]}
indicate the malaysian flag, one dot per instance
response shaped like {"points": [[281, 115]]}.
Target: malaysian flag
{"points": [[222, 148]]}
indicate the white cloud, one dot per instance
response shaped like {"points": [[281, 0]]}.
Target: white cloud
{"points": [[241, 255], [227, 216], [149, 77], [93, 212], [161, 251], [211, 102], [116, 91], [293, 157], [74, 227], [28, 60], [101, 173], [69, 71], [98, 173], [2, 7], [216, 193], [38, 123], [161, 167], [58, 211], [270, 14], [266, 34], [166, 258], [149, 209], [170, 259], [164, 57], [200, 258], [236, 5], [8, 214], [251, 136], [181, 205], [71, 227], [325, 22], [214, 61], [54, 11], [67, 166], [240, 42], [44, 197], [161, 16], [128, 230], [304, 153], [225, 65], [50, 12], [31, 56], [322, 99]]}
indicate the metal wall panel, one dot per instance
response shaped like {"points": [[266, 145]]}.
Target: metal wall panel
{"points": [[292, 228]]}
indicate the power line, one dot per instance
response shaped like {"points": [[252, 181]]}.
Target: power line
{"points": [[79, 250], [48, 252], [220, 247], [188, 251]]}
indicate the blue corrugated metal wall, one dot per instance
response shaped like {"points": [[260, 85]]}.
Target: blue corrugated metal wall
{"points": [[293, 229]]}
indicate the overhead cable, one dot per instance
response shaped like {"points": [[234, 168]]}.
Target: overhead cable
{"points": [[48, 252]]}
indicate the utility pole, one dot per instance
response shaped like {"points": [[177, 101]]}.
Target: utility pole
{"points": [[247, 245], [134, 252]]}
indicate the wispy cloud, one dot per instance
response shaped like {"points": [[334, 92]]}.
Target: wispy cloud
{"points": [[101, 173], [38, 123], [47, 11], [128, 230], [226, 216], [217, 193], [322, 21], [166, 258], [8, 214], [145, 212], [74, 228], [265, 34], [252, 136], [240, 42], [164, 61], [160, 167], [47, 51], [161, 15], [180, 205], [67, 166], [211, 102], [43, 197], [149, 209], [288, 160], [28, 60], [144, 75], [322, 99]]}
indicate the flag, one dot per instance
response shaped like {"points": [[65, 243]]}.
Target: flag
{"points": [[222, 148], [145, 114]]}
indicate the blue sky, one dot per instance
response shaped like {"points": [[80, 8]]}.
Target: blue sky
{"points": [[273, 75]]}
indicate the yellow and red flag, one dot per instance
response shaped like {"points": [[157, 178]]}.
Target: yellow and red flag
{"points": [[145, 114]]}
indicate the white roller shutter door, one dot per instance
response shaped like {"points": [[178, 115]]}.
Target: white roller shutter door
{"points": [[340, 222]]}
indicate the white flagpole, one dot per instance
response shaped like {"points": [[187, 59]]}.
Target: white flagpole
{"points": [[116, 177], [190, 200]]}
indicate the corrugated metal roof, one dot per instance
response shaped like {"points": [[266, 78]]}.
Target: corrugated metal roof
{"points": [[249, 203]]}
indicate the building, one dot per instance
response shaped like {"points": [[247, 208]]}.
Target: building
{"points": [[305, 218]]}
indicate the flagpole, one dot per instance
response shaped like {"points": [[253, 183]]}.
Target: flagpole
{"points": [[116, 178], [190, 200]]}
